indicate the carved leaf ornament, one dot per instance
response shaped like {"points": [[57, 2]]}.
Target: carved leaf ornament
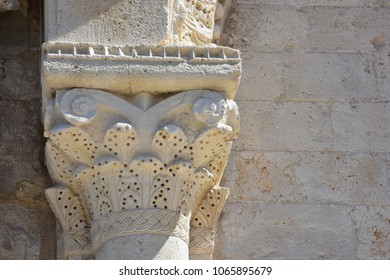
{"points": [[107, 155]]}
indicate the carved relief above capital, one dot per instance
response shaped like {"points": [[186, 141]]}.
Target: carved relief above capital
{"points": [[198, 22], [129, 159], [136, 22]]}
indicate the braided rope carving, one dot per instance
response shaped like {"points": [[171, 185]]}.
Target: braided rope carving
{"points": [[78, 242], [201, 238], [140, 221]]}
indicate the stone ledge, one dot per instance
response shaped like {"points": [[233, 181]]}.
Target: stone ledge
{"points": [[122, 69], [143, 53]]}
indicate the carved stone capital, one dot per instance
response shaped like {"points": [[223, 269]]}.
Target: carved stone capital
{"points": [[141, 165], [139, 115]]}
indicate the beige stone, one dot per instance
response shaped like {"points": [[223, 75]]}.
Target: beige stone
{"points": [[361, 126], [324, 77], [373, 227], [285, 231], [174, 22], [262, 78], [292, 126], [109, 158], [267, 29], [348, 30], [139, 117], [342, 70], [353, 179], [260, 177], [129, 70], [320, 3]]}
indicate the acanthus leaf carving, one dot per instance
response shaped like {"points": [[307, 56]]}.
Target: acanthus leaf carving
{"points": [[139, 158], [203, 223], [139, 121]]}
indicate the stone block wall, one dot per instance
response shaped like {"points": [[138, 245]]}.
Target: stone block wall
{"points": [[27, 226], [309, 175]]}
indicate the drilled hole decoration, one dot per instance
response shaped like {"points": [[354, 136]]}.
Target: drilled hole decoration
{"points": [[214, 146], [170, 143], [173, 167], [60, 165], [104, 206], [75, 142], [130, 194], [121, 141], [68, 208], [161, 192], [187, 197], [209, 209]]}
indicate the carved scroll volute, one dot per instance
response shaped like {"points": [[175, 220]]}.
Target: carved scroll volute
{"points": [[107, 156]]}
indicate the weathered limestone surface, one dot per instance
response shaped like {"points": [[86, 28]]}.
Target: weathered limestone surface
{"points": [[139, 117], [118, 22], [353, 29], [310, 185], [271, 29], [260, 177], [265, 127], [27, 225], [286, 231], [314, 131], [361, 126], [26, 232]]}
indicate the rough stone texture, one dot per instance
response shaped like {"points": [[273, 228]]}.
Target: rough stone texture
{"points": [[136, 22], [314, 134], [26, 232], [342, 178], [260, 177], [71, 21], [264, 126], [373, 232], [328, 54], [268, 28], [285, 231], [13, 33], [352, 29], [27, 226], [324, 77], [262, 71], [361, 126]]}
